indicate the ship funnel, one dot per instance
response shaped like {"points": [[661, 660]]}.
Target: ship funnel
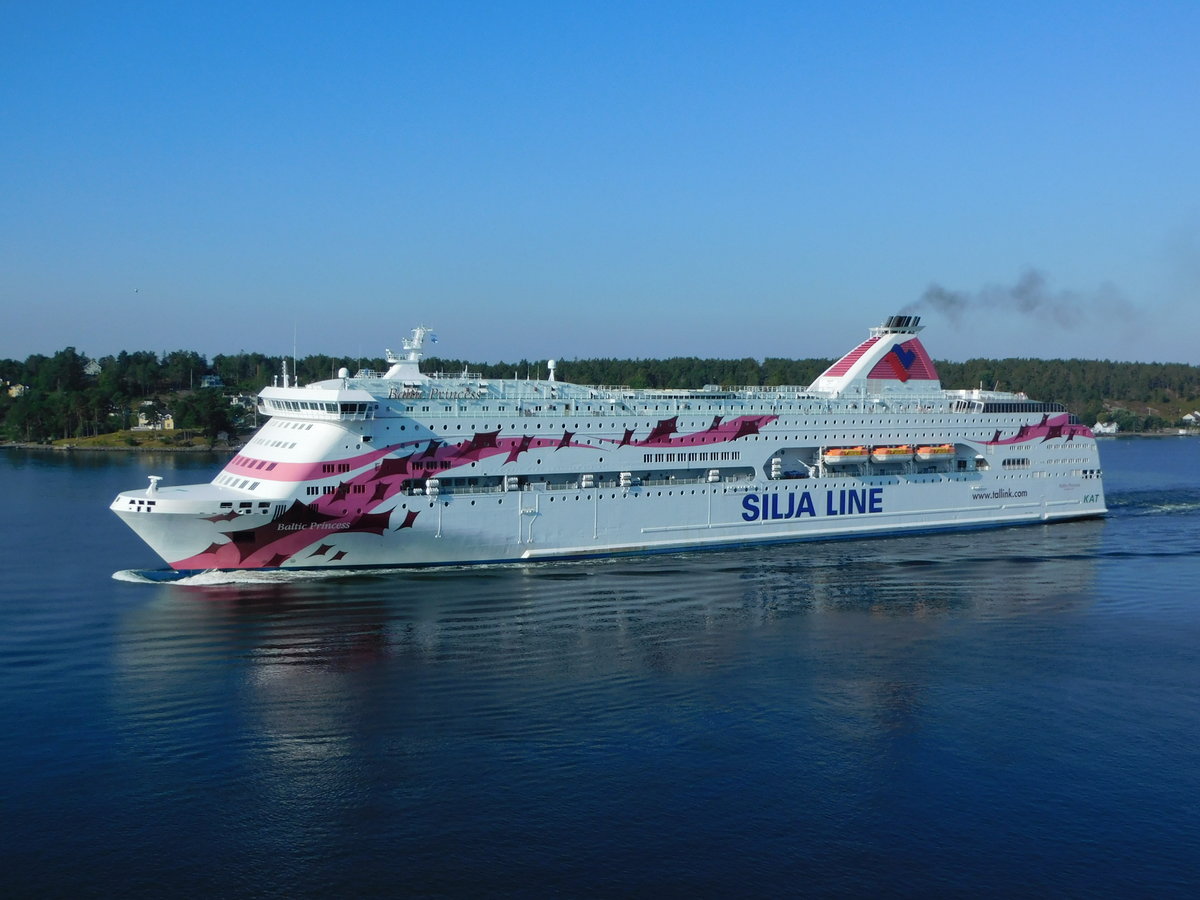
{"points": [[899, 325]]}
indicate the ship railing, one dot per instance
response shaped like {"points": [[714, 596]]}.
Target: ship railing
{"points": [[447, 487], [455, 376], [448, 406], [678, 482]]}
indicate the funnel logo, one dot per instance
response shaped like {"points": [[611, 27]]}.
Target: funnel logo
{"points": [[904, 362], [901, 360]]}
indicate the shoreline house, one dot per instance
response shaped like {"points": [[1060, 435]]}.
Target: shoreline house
{"points": [[153, 418]]}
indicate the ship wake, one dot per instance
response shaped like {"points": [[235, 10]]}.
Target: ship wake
{"points": [[221, 577]]}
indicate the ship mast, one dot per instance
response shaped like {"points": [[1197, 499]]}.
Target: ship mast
{"points": [[408, 367]]}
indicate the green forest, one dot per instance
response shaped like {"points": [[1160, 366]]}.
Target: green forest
{"points": [[64, 396]]}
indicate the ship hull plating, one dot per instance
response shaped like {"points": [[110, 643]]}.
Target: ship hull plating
{"points": [[544, 524]]}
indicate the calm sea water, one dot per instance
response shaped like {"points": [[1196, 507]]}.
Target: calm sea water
{"points": [[1001, 713]]}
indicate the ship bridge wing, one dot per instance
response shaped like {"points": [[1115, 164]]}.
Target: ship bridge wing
{"points": [[891, 361]]}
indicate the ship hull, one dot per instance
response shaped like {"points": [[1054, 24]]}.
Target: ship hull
{"points": [[563, 524]]}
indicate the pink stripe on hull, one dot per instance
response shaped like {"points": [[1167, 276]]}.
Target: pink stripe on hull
{"points": [[249, 467]]}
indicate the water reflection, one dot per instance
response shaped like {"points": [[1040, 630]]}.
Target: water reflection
{"points": [[307, 650], [194, 462]]}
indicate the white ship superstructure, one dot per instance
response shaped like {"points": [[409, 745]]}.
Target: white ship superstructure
{"points": [[405, 468]]}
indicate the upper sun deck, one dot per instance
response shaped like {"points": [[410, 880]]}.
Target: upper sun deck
{"points": [[889, 370]]}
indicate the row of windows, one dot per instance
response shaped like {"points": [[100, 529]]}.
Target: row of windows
{"points": [[810, 428], [430, 465], [698, 426], [876, 418], [695, 456], [253, 463], [322, 489], [600, 495], [452, 409], [1025, 406], [262, 439], [345, 409], [875, 437], [244, 484]]}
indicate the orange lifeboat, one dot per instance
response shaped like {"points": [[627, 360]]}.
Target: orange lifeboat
{"points": [[901, 454], [935, 452], [840, 456]]}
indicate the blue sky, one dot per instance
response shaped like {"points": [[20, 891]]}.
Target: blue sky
{"points": [[572, 180]]}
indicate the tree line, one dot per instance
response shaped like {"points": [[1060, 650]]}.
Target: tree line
{"points": [[49, 397]]}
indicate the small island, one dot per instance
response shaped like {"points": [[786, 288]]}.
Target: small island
{"points": [[182, 401]]}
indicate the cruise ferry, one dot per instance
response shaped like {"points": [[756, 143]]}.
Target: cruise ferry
{"points": [[409, 468]]}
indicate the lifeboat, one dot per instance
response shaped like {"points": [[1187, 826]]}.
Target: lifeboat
{"points": [[840, 456], [901, 454], [935, 453]]}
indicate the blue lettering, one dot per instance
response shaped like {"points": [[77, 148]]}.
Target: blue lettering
{"points": [[806, 505], [750, 504], [844, 502]]}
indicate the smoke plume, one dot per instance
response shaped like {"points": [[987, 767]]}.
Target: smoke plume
{"points": [[1029, 296]]}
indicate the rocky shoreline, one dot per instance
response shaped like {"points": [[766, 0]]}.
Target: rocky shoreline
{"points": [[68, 447]]}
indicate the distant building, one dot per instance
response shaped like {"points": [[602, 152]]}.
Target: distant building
{"points": [[92, 368], [15, 390], [149, 420], [211, 381], [1105, 428]]}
